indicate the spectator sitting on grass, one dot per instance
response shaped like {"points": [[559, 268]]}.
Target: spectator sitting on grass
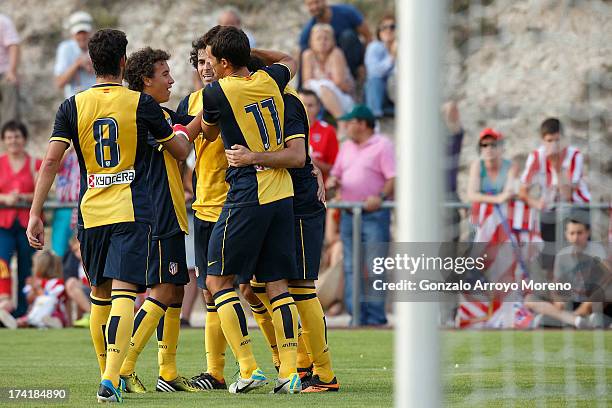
{"points": [[45, 293], [583, 265]]}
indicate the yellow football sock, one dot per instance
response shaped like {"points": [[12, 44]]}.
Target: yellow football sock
{"points": [[285, 319], [234, 325], [167, 342], [214, 343], [259, 288], [303, 355], [264, 321], [118, 330], [314, 330], [100, 309], [145, 322]]}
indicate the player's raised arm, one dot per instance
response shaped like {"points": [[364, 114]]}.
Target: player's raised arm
{"points": [[270, 57], [210, 113]]}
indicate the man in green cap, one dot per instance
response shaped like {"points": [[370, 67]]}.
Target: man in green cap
{"points": [[364, 171]]}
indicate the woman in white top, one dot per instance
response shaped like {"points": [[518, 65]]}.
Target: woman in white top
{"points": [[326, 72]]}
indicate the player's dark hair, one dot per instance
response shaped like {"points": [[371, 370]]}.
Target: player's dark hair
{"points": [[551, 126], [141, 64], [106, 48], [13, 126], [201, 44], [255, 64], [233, 45]]}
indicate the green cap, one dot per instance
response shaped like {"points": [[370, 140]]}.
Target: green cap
{"points": [[359, 112]]}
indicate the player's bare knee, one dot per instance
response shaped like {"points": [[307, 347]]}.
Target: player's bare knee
{"points": [[102, 291], [248, 294], [218, 283], [302, 282], [208, 298], [123, 285], [179, 292], [164, 293], [273, 289]]}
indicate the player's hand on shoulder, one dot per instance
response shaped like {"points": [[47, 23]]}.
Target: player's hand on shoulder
{"points": [[239, 156]]}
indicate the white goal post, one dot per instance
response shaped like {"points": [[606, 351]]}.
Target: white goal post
{"points": [[419, 187]]}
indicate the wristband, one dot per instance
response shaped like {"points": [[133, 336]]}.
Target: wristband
{"points": [[181, 130]]}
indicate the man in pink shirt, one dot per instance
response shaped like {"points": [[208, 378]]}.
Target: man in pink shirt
{"points": [[364, 171]]}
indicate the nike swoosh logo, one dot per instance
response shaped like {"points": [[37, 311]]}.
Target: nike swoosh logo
{"points": [[212, 263], [277, 389], [245, 387]]}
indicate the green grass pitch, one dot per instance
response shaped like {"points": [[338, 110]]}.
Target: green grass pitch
{"points": [[363, 361]]}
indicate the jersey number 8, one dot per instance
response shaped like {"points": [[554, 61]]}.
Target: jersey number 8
{"points": [[99, 126]]}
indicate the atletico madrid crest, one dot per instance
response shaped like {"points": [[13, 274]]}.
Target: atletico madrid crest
{"points": [[173, 268]]}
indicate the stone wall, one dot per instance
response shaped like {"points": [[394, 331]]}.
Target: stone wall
{"points": [[170, 25], [509, 64]]}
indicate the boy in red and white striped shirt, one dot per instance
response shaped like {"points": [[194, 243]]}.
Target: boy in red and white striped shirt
{"points": [[558, 172]]}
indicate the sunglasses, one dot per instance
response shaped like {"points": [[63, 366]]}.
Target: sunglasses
{"points": [[387, 27], [484, 145]]}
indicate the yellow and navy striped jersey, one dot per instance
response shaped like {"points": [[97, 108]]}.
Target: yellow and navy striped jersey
{"points": [[305, 199], [166, 186], [250, 112], [108, 125], [209, 183]]}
